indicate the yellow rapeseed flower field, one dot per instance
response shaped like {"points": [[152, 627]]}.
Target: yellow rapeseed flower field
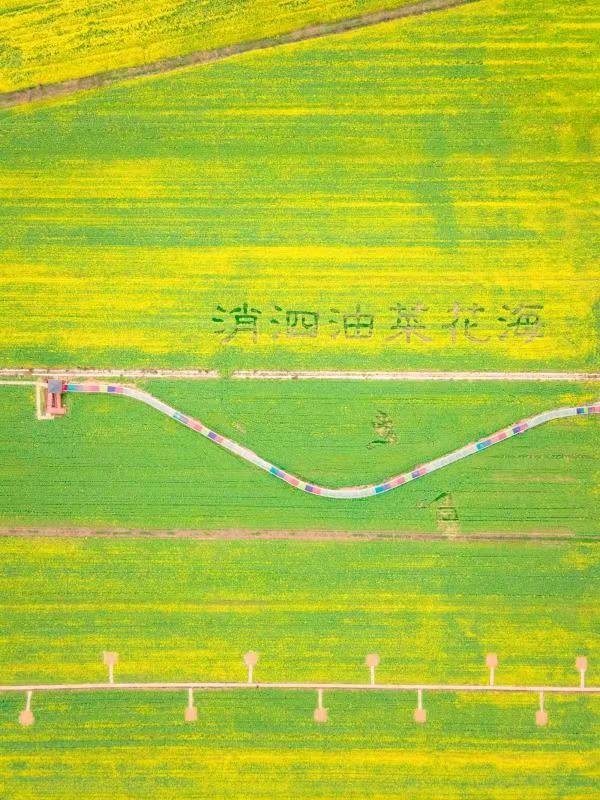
{"points": [[414, 194], [44, 42]]}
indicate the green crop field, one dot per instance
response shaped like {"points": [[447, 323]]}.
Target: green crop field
{"points": [[188, 610], [437, 172], [113, 462]]}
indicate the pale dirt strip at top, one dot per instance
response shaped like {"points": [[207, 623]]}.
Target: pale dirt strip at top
{"points": [[49, 90], [341, 375]]}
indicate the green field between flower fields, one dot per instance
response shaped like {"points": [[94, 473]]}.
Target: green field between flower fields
{"points": [[113, 462]]}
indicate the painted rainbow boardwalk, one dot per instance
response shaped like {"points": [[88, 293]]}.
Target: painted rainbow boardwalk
{"points": [[346, 492]]}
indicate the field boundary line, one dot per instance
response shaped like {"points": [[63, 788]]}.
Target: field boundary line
{"points": [[288, 535], [285, 375], [308, 686], [306, 33], [183, 374], [416, 375]]}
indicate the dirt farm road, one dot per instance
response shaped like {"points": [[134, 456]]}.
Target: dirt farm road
{"points": [[284, 375]]}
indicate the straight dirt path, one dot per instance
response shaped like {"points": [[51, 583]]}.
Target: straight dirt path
{"points": [[415, 376], [300, 535], [285, 375], [347, 687]]}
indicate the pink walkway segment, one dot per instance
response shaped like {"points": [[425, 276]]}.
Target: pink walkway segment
{"points": [[346, 492]]}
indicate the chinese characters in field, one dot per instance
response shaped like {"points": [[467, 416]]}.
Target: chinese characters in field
{"points": [[403, 324]]}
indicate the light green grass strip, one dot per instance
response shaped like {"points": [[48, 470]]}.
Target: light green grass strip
{"points": [[111, 464]]}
